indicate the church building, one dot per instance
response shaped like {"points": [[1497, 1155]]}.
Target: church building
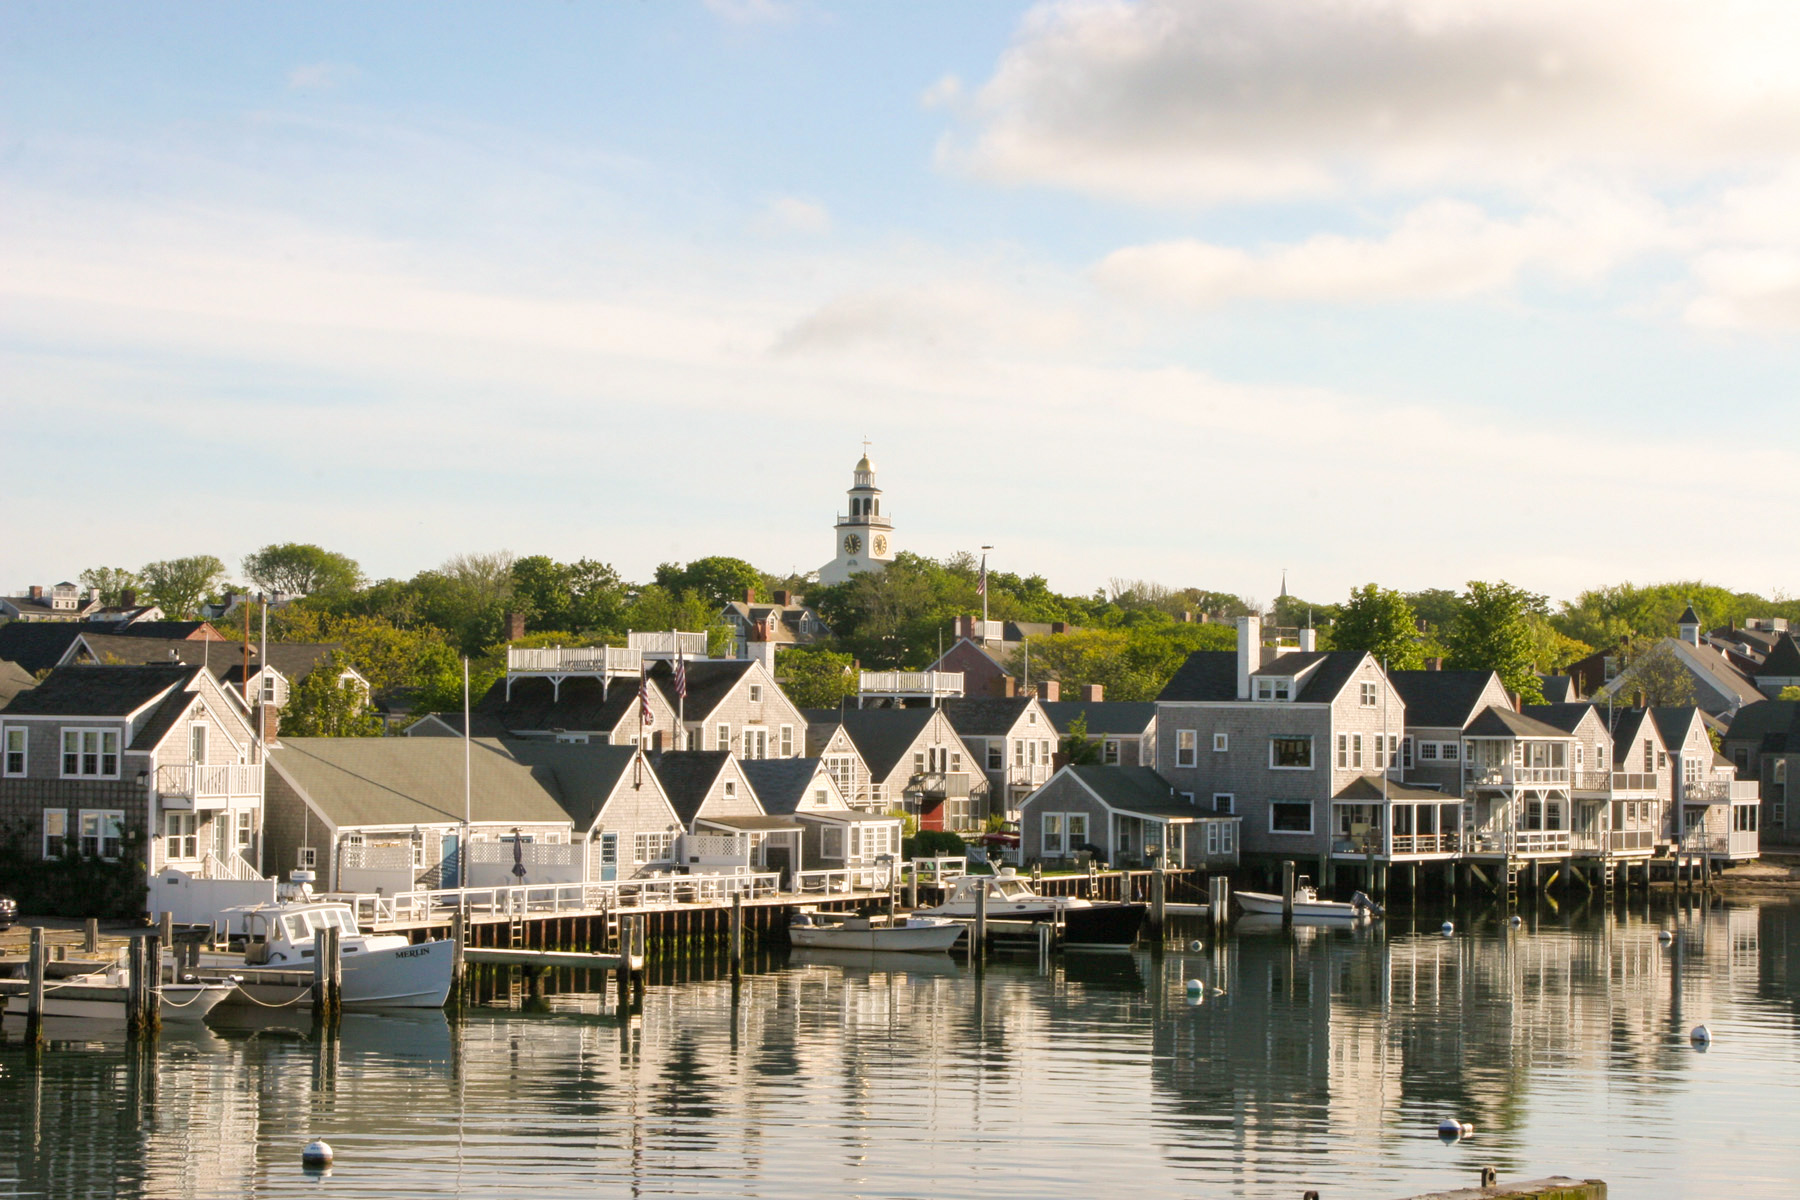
{"points": [[864, 535]]}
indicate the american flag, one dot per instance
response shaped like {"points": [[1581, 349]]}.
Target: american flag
{"points": [[981, 584], [680, 677], [649, 717]]}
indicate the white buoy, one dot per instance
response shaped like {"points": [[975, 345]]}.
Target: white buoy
{"points": [[1196, 947], [1450, 1129], [1517, 921], [1702, 1036], [1468, 1130], [1447, 929], [316, 1154], [1665, 937]]}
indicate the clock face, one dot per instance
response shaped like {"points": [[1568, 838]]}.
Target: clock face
{"points": [[881, 543], [852, 544]]}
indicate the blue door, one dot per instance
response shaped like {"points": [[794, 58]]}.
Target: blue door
{"points": [[609, 857], [452, 871]]}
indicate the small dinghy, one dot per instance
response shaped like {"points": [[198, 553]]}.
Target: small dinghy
{"points": [[1308, 906], [921, 935]]}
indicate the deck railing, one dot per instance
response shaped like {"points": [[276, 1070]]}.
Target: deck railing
{"points": [[1615, 783], [1427, 843], [861, 877], [548, 899], [1508, 775], [668, 644], [232, 866], [937, 684], [573, 660], [940, 868], [201, 782]]}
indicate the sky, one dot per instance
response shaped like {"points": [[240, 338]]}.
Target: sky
{"points": [[1400, 291]]}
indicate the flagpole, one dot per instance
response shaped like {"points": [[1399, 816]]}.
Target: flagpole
{"points": [[462, 848], [983, 590]]}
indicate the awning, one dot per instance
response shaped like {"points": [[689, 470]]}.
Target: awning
{"points": [[750, 824]]}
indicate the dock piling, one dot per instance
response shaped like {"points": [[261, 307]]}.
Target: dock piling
{"points": [[737, 931], [459, 967], [1159, 897], [334, 968], [34, 1005], [91, 941], [978, 951], [1287, 889]]}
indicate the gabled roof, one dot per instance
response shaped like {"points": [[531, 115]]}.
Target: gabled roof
{"points": [[1495, 721], [1558, 689], [1365, 789], [1628, 726], [13, 680], [537, 706], [882, 735], [1783, 660], [709, 681], [37, 645], [99, 691], [486, 725], [1136, 790], [1566, 717], [1674, 722], [1104, 718], [779, 783], [1206, 675], [687, 776], [191, 630], [1687, 617], [1711, 665], [407, 781], [586, 776], [1772, 725], [986, 718], [225, 659], [1441, 699]]}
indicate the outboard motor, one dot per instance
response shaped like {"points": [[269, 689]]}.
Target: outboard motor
{"points": [[1363, 904]]}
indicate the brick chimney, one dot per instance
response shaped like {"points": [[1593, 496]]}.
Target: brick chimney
{"points": [[784, 598], [37, 591], [965, 627], [1093, 693], [1049, 691], [749, 595], [1009, 687], [271, 717], [1059, 627], [1518, 701], [514, 626], [1434, 664], [128, 598]]}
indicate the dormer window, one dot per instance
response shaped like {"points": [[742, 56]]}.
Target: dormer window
{"points": [[1274, 688]]}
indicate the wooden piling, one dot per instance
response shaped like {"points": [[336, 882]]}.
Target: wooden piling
{"points": [[334, 971], [978, 951], [152, 985], [459, 968], [1159, 897], [639, 934], [321, 995], [91, 941], [1287, 889], [34, 1004], [737, 932]]}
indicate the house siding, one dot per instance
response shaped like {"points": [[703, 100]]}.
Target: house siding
{"points": [[635, 806], [1063, 794]]}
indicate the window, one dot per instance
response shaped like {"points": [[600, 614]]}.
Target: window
{"points": [[101, 831], [831, 842], [918, 762], [1580, 756], [652, 847], [996, 756], [1031, 717], [1370, 693], [15, 743], [756, 693], [1662, 759], [731, 789], [1350, 746], [1078, 836], [1743, 818], [1224, 803], [1109, 752], [56, 832], [1649, 756], [306, 858], [92, 752], [1428, 751], [1387, 749], [1270, 688], [1291, 816], [1187, 743], [578, 739], [1406, 753], [1291, 754], [756, 743], [1221, 742], [268, 687], [1449, 752], [1690, 768], [1052, 835], [245, 829], [1018, 754], [724, 742], [180, 835], [196, 743]]}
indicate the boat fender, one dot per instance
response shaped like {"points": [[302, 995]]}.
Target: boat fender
{"points": [[316, 1154], [1447, 928], [1702, 1037]]}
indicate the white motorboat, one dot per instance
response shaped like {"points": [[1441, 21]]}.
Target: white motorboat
{"points": [[1087, 924], [100, 996], [379, 970], [1308, 906], [914, 934]]}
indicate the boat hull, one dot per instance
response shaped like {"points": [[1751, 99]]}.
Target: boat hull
{"points": [[104, 1000], [412, 976], [1103, 927], [922, 937], [1264, 904]]}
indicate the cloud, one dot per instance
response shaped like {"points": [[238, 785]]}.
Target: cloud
{"points": [[1440, 250], [321, 76], [791, 214], [954, 317], [1219, 100], [942, 94]]}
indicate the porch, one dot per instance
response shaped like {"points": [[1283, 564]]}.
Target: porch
{"points": [[1394, 822], [932, 686], [205, 787]]}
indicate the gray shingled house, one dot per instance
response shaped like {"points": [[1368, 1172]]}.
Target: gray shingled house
{"points": [[1116, 814], [834, 835]]}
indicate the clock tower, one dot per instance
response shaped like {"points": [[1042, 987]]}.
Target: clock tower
{"points": [[864, 536]]}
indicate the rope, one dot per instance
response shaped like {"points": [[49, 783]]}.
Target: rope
{"points": [[284, 1004]]}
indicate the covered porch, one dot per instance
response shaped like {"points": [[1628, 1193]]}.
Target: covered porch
{"points": [[736, 845], [1393, 822]]}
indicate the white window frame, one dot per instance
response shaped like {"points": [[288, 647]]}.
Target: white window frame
{"points": [[1221, 743], [831, 838], [1428, 751], [787, 741], [1369, 694], [1070, 822], [100, 738], [1052, 838], [306, 858], [61, 833], [756, 737], [1274, 688], [22, 735], [98, 819], [1109, 752], [1187, 747], [652, 848], [181, 835], [724, 736], [1312, 758], [1312, 820], [996, 755], [756, 693], [730, 792], [1230, 806], [1406, 753]]}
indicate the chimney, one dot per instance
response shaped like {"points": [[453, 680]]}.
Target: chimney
{"points": [[271, 726], [1518, 701], [1309, 640], [1434, 664], [37, 591], [128, 598], [1249, 652], [965, 627], [1059, 627], [1093, 693], [514, 624], [1009, 687], [1049, 691], [749, 595], [784, 598]]}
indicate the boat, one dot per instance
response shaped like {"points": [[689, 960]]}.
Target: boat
{"points": [[379, 970], [1308, 906], [914, 934], [100, 996], [1087, 924]]}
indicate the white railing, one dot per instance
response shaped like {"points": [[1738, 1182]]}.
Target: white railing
{"points": [[1722, 791], [939, 869], [1745, 843], [716, 845], [1615, 782], [1540, 841], [945, 785], [574, 660], [1507, 775], [209, 781], [667, 644], [530, 854], [862, 877], [910, 683], [533, 900], [232, 866]]}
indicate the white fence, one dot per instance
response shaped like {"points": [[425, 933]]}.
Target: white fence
{"points": [[538, 900], [208, 785], [574, 660], [491, 863], [667, 644], [947, 684]]}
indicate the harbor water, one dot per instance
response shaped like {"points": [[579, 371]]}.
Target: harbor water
{"points": [[1310, 1058]]}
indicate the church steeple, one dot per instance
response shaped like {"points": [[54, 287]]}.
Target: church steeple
{"points": [[864, 535]]}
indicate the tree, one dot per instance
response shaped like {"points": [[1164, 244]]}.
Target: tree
{"points": [[1657, 676], [814, 677], [718, 580], [301, 569], [1491, 631], [1076, 747], [1380, 621], [113, 583], [179, 585], [1789, 692], [583, 595], [324, 704]]}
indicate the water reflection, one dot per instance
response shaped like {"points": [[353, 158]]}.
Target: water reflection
{"points": [[1309, 1058]]}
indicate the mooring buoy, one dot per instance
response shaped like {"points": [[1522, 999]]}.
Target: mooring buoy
{"points": [[316, 1154], [1446, 929]]}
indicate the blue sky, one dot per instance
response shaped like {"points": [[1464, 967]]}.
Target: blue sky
{"points": [[1404, 291]]}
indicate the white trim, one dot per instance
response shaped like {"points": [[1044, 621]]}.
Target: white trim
{"points": [[1312, 751], [6, 771], [1312, 819]]}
